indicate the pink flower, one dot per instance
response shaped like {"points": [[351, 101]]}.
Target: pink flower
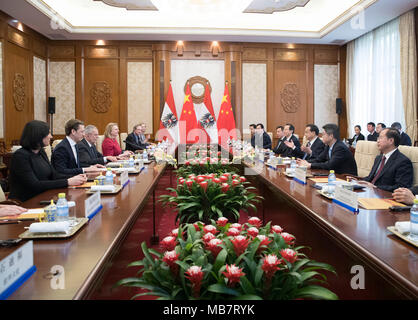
{"points": [[170, 257], [253, 232], [208, 236], [277, 229], [236, 226], [168, 243], [289, 255], [264, 240], [195, 275], [210, 228], [288, 238], [240, 244], [214, 246], [256, 222], [233, 274], [270, 265], [174, 232], [222, 221], [196, 226], [233, 232]]}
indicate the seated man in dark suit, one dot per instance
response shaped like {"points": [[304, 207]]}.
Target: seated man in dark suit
{"points": [[336, 156], [261, 138], [281, 147], [391, 169], [405, 139], [357, 136], [65, 157], [87, 149], [379, 127], [405, 195], [134, 140], [372, 133], [313, 148], [291, 141]]}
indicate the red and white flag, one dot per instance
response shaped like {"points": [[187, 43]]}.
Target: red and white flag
{"points": [[189, 132], [226, 120], [206, 117], [169, 124]]}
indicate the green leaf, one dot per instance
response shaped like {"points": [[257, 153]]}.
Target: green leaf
{"points": [[246, 285], [221, 288], [316, 292], [248, 297], [220, 260]]}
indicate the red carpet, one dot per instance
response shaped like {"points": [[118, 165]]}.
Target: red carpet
{"points": [[131, 248]]}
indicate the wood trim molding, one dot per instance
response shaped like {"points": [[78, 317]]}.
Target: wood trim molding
{"points": [[18, 37], [289, 55], [139, 52], [62, 51], [102, 52]]}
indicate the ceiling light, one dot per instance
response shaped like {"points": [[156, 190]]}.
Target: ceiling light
{"points": [[100, 43]]}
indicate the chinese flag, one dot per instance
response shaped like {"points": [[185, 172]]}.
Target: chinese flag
{"points": [[188, 120], [226, 121]]}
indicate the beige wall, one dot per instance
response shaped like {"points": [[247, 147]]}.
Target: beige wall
{"points": [[39, 88], [140, 94], [62, 87]]}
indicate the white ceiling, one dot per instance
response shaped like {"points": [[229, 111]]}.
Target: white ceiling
{"points": [[318, 21]]}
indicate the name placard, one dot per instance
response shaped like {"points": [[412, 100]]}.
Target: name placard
{"points": [[346, 198], [124, 178], [15, 269], [300, 175], [93, 205]]}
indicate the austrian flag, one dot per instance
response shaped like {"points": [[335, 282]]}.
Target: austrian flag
{"points": [[169, 124]]}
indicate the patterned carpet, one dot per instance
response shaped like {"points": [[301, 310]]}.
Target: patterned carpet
{"points": [[131, 249]]}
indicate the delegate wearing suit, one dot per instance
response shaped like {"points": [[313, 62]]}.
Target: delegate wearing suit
{"points": [[373, 136], [88, 154], [289, 152], [281, 147], [266, 140], [397, 172], [405, 140], [63, 158], [317, 147], [133, 142]]}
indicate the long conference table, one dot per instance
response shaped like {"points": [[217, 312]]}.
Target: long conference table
{"points": [[335, 235]]}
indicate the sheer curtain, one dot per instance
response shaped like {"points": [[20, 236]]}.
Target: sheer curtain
{"points": [[374, 90]]}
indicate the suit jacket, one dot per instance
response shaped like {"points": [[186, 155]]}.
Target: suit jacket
{"points": [[266, 141], [63, 159], [89, 155], [397, 172], [372, 137], [133, 145], [360, 137], [32, 173], [280, 147], [341, 161], [317, 148], [289, 152], [405, 140], [414, 190]]}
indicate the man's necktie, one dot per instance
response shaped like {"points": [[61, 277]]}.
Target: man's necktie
{"points": [[76, 158], [379, 171], [306, 154], [329, 153]]}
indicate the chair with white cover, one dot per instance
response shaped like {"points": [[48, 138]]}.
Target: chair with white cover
{"points": [[123, 137], [55, 143], [99, 143], [48, 151], [412, 154], [366, 152]]}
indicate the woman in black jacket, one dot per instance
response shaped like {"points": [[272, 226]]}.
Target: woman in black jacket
{"points": [[31, 173]]}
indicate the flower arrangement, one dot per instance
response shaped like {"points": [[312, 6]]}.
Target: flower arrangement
{"points": [[215, 262], [210, 196]]}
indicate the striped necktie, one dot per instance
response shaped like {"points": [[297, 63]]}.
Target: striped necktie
{"points": [[306, 154]]}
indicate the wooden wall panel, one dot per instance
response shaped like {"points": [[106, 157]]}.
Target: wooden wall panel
{"points": [[18, 37], [101, 92], [18, 87], [290, 95]]}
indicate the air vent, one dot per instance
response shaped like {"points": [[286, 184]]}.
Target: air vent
{"points": [[56, 36], [338, 41]]}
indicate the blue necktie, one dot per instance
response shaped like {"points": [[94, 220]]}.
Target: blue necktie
{"points": [[306, 154], [329, 153]]}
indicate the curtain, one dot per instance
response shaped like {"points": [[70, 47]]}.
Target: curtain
{"points": [[409, 72], [374, 92]]}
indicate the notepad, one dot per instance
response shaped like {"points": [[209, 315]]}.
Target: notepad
{"points": [[85, 185], [377, 204], [31, 214], [323, 180]]}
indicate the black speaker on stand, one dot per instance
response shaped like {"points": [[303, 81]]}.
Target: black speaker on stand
{"points": [[51, 110], [339, 106]]}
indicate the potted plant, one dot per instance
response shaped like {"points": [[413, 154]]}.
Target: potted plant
{"points": [[206, 197], [224, 261], [204, 166]]}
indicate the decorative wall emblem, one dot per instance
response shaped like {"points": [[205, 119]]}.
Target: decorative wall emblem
{"points": [[290, 98], [197, 87], [131, 4], [101, 97], [270, 6], [19, 91]]}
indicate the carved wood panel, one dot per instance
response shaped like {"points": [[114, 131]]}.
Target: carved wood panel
{"points": [[139, 52], [101, 97], [19, 96], [61, 51]]}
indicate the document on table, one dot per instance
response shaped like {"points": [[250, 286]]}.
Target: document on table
{"points": [[377, 204], [323, 180], [31, 214]]}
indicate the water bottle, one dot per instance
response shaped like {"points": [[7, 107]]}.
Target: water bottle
{"points": [[62, 208], [145, 155], [331, 182], [109, 177], [293, 165], [413, 234], [131, 161]]}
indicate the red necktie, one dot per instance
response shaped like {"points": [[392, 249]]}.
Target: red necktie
{"points": [[382, 163]]}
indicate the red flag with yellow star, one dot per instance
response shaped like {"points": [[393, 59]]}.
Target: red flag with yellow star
{"points": [[188, 120], [226, 120]]}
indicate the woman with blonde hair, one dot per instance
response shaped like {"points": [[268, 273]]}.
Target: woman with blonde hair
{"points": [[110, 145]]}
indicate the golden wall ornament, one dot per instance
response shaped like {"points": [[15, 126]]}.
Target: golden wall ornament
{"points": [[290, 98], [101, 97], [197, 87], [19, 95]]}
